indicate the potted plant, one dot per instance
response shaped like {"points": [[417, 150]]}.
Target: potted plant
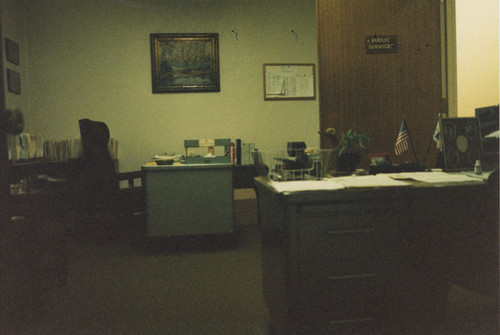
{"points": [[349, 151]]}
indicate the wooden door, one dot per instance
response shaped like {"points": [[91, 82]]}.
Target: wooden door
{"points": [[372, 92]]}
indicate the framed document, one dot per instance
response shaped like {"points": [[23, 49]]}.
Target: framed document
{"points": [[462, 143], [289, 81]]}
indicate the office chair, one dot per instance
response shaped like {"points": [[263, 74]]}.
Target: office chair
{"points": [[109, 209]]}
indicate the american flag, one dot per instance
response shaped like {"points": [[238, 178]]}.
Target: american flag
{"points": [[402, 140]]}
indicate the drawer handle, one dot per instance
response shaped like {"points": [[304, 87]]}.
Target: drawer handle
{"points": [[337, 322], [351, 231], [366, 275]]}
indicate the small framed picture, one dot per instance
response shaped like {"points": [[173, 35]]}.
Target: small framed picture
{"points": [[12, 51], [380, 159], [13, 81]]}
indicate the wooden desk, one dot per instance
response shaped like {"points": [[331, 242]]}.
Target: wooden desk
{"points": [[365, 260]]}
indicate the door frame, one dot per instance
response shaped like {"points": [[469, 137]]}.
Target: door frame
{"points": [[449, 56]]}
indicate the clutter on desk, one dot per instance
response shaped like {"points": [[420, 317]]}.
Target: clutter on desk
{"points": [[396, 168], [296, 163], [166, 159], [209, 151]]}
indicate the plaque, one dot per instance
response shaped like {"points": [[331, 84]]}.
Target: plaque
{"points": [[462, 144], [381, 44]]}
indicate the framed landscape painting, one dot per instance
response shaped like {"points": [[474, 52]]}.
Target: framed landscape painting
{"points": [[185, 63]]}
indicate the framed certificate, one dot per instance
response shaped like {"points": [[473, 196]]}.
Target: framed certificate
{"points": [[289, 81], [462, 144]]}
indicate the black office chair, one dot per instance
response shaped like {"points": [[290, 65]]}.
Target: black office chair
{"points": [[109, 210]]}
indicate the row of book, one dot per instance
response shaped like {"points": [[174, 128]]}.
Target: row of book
{"points": [[26, 146], [241, 153], [62, 150], [246, 153]]}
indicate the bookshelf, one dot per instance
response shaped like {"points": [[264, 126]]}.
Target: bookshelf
{"points": [[26, 147]]}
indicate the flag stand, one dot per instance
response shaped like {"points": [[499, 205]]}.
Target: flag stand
{"points": [[440, 116], [427, 151], [404, 126], [413, 147]]}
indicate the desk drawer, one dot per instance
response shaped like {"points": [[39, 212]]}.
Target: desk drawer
{"points": [[338, 267], [368, 209], [336, 298], [358, 326], [341, 230], [322, 240]]}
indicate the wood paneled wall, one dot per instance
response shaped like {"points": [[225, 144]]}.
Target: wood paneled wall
{"points": [[371, 93]]}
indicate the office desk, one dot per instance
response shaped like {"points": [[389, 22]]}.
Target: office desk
{"points": [[189, 199], [372, 260]]}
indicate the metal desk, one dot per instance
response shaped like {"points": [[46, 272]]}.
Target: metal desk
{"points": [[371, 260], [189, 199]]}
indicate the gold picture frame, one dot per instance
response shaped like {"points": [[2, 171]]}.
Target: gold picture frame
{"points": [[185, 63]]}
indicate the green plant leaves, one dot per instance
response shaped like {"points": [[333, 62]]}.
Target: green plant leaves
{"points": [[352, 142]]}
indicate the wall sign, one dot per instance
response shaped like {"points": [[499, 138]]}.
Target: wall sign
{"points": [[381, 44]]}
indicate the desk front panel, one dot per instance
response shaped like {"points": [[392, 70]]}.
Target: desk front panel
{"points": [[190, 200], [343, 255]]}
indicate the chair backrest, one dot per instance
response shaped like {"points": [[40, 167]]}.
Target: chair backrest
{"points": [[100, 175]]}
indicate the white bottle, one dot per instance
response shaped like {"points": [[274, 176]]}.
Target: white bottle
{"points": [[477, 167]]}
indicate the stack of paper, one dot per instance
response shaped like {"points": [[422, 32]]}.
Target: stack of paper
{"points": [[306, 185]]}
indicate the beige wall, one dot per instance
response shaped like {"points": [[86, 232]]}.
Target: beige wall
{"points": [[13, 28], [91, 59], [477, 55]]}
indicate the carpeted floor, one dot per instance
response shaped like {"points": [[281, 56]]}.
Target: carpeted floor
{"points": [[187, 289]]}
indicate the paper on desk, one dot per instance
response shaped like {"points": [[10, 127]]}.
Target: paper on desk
{"points": [[379, 180], [306, 185], [435, 177], [165, 156]]}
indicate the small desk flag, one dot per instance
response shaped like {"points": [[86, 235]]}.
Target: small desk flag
{"points": [[402, 140], [437, 137]]}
